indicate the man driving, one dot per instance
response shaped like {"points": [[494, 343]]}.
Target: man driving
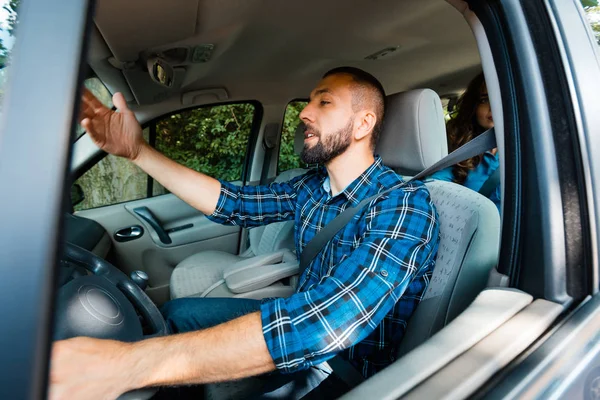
{"points": [[353, 300]]}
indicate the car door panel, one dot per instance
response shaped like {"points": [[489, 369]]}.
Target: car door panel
{"points": [[147, 252], [183, 223]]}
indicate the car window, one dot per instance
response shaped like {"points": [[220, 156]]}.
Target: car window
{"points": [[288, 159], [212, 140], [449, 106], [592, 11]]}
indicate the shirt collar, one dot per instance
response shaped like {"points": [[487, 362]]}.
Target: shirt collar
{"points": [[359, 188]]}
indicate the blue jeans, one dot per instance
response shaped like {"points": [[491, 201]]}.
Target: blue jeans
{"points": [[191, 314]]}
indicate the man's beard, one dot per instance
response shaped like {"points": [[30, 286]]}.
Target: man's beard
{"points": [[329, 148]]}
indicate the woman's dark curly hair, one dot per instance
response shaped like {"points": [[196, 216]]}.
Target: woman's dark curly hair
{"points": [[463, 127]]}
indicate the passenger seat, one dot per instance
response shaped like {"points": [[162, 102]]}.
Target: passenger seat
{"points": [[203, 274]]}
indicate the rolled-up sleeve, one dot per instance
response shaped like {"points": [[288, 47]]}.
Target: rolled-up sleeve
{"points": [[351, 301], [250, 206]]}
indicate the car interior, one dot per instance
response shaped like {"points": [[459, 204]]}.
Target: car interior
{"points": [[194, 259], [219, 53]]}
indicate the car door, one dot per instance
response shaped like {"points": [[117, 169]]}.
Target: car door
{"points": [[150, 229]]}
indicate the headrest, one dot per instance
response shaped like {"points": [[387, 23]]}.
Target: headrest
{"points": [[413, 136], [299, 139]]}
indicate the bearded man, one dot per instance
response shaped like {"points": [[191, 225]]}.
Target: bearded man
{"points": [[353, 300]]}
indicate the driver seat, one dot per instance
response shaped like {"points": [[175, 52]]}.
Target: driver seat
{"points": [[413, 138]]}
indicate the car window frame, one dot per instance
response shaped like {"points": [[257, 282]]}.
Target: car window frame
{"points": [[279, 142], [252, 139], [250, 148], [527, 189]]}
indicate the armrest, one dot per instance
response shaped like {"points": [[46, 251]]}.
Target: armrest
{"points": [[258, 272]]}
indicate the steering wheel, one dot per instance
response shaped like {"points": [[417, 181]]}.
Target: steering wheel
{"points": [[104, 304]]}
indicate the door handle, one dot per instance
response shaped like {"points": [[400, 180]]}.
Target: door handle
{"points": [[130, 233], [147, 215]]}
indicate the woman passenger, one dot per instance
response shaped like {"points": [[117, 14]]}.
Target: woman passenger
{"points": [[473, 117]]}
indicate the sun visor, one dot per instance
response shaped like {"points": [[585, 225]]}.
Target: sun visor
{"points": [[129, 27]]}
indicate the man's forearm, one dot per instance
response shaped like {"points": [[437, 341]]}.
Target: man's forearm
{"points": [[232, 350], [198, 190]]}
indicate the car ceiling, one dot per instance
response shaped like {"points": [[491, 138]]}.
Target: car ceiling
{"points": [[274, 51]]}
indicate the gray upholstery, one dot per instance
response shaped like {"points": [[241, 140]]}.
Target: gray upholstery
{"points": [[414, 138], [258, 272], [414, 133], [279, 235], [468, 250], [196, 273], [202, 274]]}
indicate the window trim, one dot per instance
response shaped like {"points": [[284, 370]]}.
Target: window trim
{"points": [[580, 57], [295, 100]]}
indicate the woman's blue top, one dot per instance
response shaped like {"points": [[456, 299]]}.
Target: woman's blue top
{"points": [[477, 176]]}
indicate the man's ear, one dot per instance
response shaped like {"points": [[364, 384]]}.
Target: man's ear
{"points": [[365, 122]]}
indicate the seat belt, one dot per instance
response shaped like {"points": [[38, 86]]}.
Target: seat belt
{"points": [[269, 143], [341, 367], [477, 146], [491, 183]]}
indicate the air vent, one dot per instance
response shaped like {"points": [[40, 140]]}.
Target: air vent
{"points": [[382, 53]]}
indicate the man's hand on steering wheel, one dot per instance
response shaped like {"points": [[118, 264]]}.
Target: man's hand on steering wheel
{"points": [[82, 365]]}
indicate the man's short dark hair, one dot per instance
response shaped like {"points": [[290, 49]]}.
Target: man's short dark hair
{"points": [[370, 90]]}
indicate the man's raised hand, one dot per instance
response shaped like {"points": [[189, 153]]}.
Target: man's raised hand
{"points": [[116, 132]]}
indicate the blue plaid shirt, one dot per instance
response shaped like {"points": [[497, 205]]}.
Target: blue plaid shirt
{"points": [[358, 293]]}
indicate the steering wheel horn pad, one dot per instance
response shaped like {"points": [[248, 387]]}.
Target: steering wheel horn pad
{"points": [[103, 304]]}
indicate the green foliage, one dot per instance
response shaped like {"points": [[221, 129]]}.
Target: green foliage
{"points": [[13, 19], [113, 180], [12, 23], [212, 140], [288, 159], [589, 3], [593, 16], [3, 54]]}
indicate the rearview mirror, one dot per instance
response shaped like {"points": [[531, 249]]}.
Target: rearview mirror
{"points": [[77, 195], [160, 71]]}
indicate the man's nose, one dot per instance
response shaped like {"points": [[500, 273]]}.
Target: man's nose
{"points": [[306, 114]]}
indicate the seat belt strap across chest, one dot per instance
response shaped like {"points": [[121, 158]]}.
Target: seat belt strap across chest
{"points": [[341, 367], [482, 143]]}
